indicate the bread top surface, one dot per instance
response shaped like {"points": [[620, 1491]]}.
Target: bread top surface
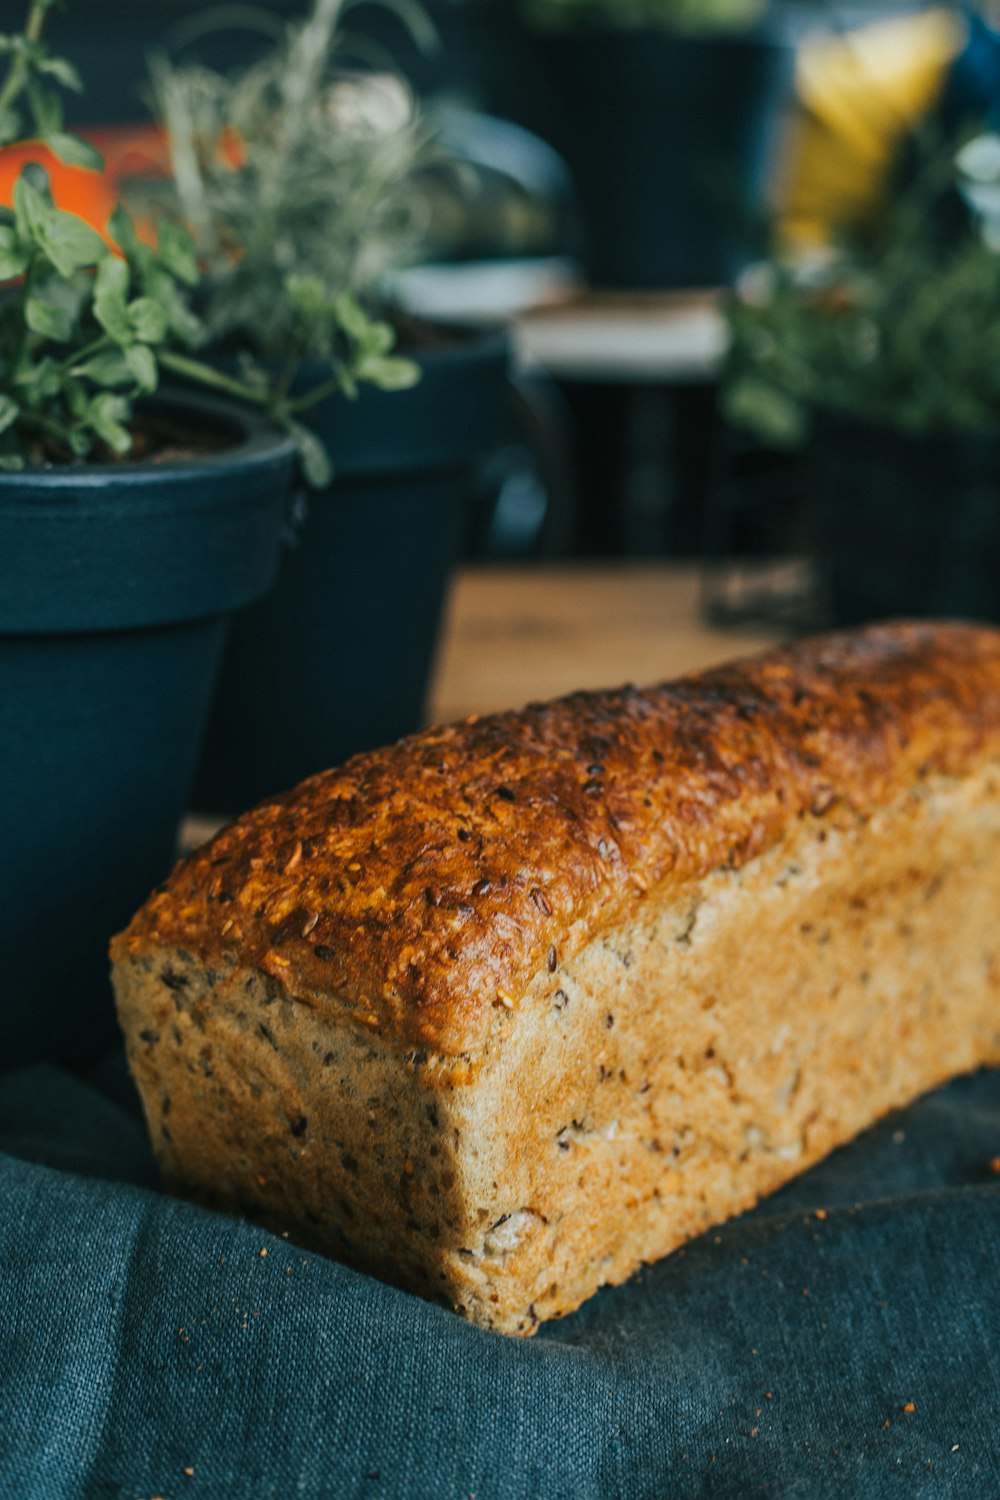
{"points": [[424, 885]]}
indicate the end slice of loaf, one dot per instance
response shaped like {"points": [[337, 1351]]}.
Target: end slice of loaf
{"points": [[507, 1009]]}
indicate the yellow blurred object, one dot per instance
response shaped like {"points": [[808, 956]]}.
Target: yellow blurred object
{"points": [[859, 95]]}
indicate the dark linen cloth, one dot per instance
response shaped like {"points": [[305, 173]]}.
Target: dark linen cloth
{"points": [[149, 1348]]}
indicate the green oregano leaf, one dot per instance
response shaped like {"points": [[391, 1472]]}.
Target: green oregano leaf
{"points": [[395, 374], [107, 416], [49, 320], [110, 300], [73, 151], [37, 379], [63, 72], [143, 368], [108, 369], [69, 243], [148, 320], [313, 457], [31, 211]]}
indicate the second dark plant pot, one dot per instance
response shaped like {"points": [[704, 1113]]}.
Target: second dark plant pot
{"points": [[338, 658], [906, 526], [667, 139]]}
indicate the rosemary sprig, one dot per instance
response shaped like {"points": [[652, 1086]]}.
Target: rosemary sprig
{"points": [[299, 180]]}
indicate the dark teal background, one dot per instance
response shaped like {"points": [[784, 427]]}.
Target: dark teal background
{"points": [[140, 1337]]}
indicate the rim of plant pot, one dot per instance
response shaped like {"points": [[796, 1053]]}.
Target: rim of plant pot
{"points": [[118, 546], [445, 422]]}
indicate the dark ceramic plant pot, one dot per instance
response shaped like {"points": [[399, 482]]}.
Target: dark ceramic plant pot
{"points": [[339, 657], [668, 140], [116, 584], [905, 525]]}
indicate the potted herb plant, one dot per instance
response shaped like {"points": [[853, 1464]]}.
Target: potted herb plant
{"points": [[300, 181], [132, 524], [883, 360], [663, 114]]}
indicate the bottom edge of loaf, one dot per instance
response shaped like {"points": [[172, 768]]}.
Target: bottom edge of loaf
{"points": [[493, 1296]]}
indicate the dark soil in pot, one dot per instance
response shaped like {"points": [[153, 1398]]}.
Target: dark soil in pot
{"points": [[668, 141], [338, 658], [906, 525], [116, 585]]}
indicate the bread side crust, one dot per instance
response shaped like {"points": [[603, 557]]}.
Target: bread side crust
{"points": [[418, 889], [676, 1069]]}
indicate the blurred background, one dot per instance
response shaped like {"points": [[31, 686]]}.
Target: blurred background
{"points": [[744, 253], [657, 194]]}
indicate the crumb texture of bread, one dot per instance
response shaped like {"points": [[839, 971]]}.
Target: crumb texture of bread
{"points": [[515, 1006]]}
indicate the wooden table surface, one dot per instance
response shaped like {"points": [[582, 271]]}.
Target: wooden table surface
{"points": [[516, 634]]}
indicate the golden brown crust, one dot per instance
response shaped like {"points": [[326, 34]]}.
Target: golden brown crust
{"points": [[425, 883]]}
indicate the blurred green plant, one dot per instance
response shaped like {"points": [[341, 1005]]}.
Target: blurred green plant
{"points": [[298, 181], [684, 16], [900, 327]]}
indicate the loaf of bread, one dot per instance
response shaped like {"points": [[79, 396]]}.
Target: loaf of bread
{"points": [[507, 1009]]}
